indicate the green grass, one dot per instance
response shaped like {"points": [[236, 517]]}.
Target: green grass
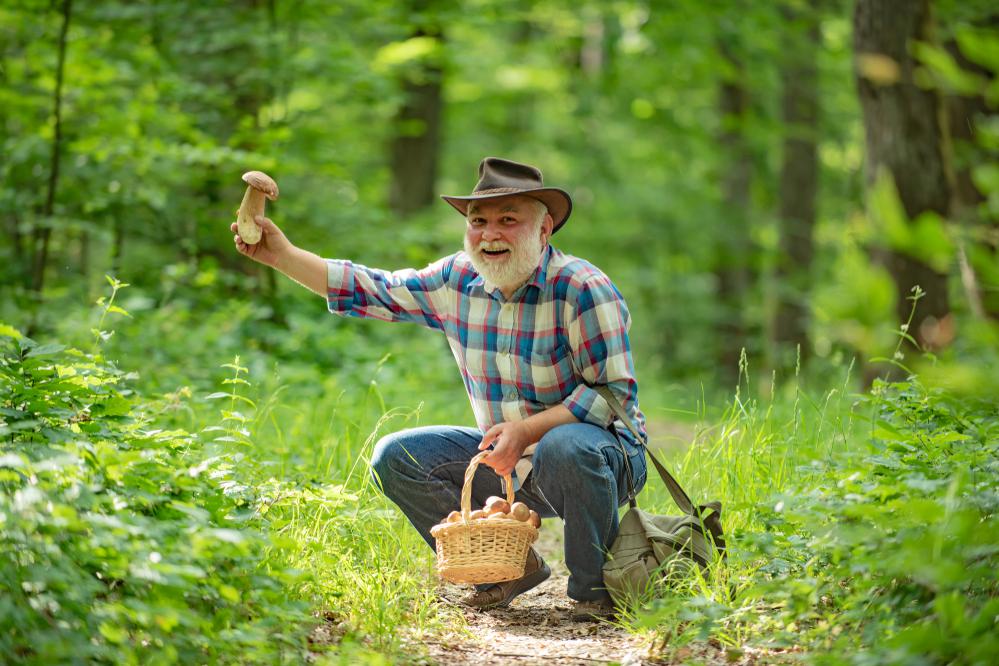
{"points": [[861, 527], [860, 524]]}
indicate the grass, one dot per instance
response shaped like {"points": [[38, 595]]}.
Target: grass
{"points": [[815, 483]]}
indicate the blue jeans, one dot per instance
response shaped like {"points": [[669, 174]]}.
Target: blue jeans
{"points": [[579, 475]]}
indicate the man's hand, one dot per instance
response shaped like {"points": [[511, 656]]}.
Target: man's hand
{"points": [[511, 438], [275, 250], [272, 248], [509, 441]]}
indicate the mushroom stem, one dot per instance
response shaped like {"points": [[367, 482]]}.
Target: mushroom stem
{"points": [[251, 207]]}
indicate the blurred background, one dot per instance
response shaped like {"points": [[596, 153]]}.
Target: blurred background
{"points": [[763, 181]]}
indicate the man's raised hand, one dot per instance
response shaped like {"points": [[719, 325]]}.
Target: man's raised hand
{"points": [[271, 247]]}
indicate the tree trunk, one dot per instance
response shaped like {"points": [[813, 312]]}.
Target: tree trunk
{"points": [[11, 219], [904, 138], [117, 245], [417, 135], [798, 181], [732, 253], [43, 233]]}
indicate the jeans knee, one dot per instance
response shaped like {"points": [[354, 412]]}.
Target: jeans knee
{"points": [[386, 449], [565, 447]]}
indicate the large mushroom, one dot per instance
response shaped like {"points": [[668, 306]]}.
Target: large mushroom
{"points": [[260, 185]]}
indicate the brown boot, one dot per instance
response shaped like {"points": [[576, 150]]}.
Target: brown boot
{"points": [[501, 594], [592, 611]]}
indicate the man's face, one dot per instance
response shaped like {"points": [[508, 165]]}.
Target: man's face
{"points": [[504, 238]]}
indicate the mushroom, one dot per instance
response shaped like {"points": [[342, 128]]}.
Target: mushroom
{"points": [[520, 511], [260, 185], [496, 505]]}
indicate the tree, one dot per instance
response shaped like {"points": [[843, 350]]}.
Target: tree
{"points": [[733, 243], [798, 176], [415, 144], [43, 232], [903, 140]]}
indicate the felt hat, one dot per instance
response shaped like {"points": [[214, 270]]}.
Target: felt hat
{"points": [[499, 178]]}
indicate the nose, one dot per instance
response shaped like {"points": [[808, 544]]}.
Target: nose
{"points": [[491, 231]]}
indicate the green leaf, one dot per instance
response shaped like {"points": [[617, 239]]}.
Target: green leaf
{"points": [[979, 46], [45, 350], [13, 460], [9, 331], [116, 406], [946, 73], [229, 593], [112, 632], [117, 310]]}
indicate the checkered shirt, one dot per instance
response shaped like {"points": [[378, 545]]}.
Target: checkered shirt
{"points": [[562, 332]]}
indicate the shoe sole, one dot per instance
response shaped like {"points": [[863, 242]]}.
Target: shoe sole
{"points": [[525, 584], [594, 617]]}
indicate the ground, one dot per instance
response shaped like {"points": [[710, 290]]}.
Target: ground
{"points": [[537, 629]]}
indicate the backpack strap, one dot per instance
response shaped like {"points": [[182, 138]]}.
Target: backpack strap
{"points": [[676, 492], [710, 514]]}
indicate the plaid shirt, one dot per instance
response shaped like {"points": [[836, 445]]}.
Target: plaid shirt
{"points": [[563, 331]]}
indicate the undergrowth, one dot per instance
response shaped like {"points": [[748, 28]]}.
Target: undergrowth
{"points": [[127, 539], [233, 519], [862, 528]]}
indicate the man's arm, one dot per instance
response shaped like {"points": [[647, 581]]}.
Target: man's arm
{"points": [[275, 250], [512, 437], [352, 290], [601, 352]]}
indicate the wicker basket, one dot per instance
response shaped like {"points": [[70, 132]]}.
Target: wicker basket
{"points": [[483, 551]]}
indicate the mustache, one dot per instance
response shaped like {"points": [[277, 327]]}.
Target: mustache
{"points": [[493, 245]]}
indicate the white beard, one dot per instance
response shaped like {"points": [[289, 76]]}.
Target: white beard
{"points": [[512, 271]]}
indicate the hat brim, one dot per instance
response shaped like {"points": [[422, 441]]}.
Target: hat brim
{"points": [[558, 201]]}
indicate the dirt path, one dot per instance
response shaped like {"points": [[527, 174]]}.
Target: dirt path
{"points": [[536, 628]]}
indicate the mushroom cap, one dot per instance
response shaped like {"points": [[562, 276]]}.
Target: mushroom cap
{"points": [[259, 180]]}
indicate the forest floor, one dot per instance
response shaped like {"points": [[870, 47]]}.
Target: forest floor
{"points": [[537, 627]]}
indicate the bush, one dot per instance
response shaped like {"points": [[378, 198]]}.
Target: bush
{"points": [[121, 542], [880, 551]]}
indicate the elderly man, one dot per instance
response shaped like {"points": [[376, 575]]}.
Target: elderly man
{"points": [[533, 331]]}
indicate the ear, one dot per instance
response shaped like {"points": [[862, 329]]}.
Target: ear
{"points": [[546, 228]]}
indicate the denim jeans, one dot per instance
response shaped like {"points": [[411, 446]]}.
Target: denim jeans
{"points": [[579, 476]]}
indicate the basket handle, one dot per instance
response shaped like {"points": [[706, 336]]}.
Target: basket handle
{"points": [[466, 490]]}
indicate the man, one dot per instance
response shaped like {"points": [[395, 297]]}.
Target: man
{"points": [[533, 330]]}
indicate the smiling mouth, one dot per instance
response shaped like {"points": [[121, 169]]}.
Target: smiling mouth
{"points": [[495, 253]]}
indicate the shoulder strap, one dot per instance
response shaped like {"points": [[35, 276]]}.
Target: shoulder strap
{"points": [[678, 494]]}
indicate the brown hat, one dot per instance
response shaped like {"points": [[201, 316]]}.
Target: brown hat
{"points": [[499, 178]]}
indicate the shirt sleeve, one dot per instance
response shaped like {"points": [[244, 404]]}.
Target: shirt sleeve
{"points": [[409, 295], [601, 354]]}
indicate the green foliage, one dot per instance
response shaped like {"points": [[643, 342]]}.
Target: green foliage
{"points": [[863, 533], [123, 536], [157, 505]]}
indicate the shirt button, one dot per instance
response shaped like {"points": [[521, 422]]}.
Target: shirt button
{"points": [[511, 395]]}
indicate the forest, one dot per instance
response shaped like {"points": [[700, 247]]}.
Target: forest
{"points": [[799, 201]]}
